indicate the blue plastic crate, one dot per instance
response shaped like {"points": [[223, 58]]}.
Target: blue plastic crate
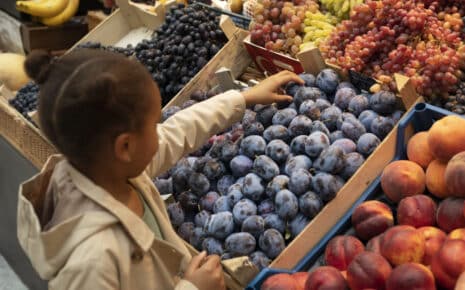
{"points": [[421, 118]]}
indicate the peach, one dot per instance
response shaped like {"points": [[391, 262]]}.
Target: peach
{"points": [[403, 244], [402, 178], [436, 180], [445, 137], [341, 250], [344, 274], [434, 238], [455, 175], [411, 276], [417, 211], [326, 277], [301, 279], [282, 281], [374, 245], [368, 270], [449, 263], [450, 214], [418, 149], [371, 218], [460, 285], [457, 234]]}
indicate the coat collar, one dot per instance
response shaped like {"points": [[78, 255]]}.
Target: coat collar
{"points": [[134, 225]]}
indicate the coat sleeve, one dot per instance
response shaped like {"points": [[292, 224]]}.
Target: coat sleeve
{"points": [[99, 273], [189, 129]]}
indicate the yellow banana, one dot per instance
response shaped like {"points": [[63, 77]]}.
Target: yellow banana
{"points": [[345, 7], [352, 4], [64, 16], [338, 5], [41, 8]]}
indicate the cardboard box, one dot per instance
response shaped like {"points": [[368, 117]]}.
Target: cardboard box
{"points": [[270, 61], [129, 24]]}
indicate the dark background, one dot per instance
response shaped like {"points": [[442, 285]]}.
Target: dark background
{"points": [[14, 169]]}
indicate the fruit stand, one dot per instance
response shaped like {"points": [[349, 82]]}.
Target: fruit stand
{"points": [[364, 166]]}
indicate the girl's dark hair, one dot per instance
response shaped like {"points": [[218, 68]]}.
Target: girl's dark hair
{"points": [[88, 97]]}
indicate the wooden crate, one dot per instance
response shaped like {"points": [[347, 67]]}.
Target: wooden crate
{"points": [[38, 36], [129, 24], [27, 139]]}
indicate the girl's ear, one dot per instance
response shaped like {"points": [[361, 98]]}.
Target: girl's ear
{"points": [[122, 147]]}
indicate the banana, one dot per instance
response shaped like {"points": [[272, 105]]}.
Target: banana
{"points": [[353, 3], [345, 7], [42, 8], [64, 16]]}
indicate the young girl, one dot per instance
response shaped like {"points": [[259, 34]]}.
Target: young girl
{"points": [[92, 218]]}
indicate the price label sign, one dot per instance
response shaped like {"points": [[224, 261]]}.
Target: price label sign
{"points": [[361, 81]]}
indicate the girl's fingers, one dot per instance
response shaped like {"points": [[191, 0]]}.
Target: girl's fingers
{"points": [[196, 262], [282, 98], [286, 76]]}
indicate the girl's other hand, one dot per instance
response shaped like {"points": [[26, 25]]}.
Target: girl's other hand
{"points": [[205, 272]]}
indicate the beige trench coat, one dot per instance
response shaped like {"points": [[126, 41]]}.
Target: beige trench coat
{"points": [[78, 236]]}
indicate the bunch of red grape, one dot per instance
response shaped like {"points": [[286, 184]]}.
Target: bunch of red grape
{"points": [[420, 39], [278, 25]]}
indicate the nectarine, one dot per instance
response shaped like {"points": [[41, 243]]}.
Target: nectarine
{"points": [[402, 178], [372, 218], [445, 137], [417, 211], [403, 244], [341, 250], [418, 149], [436, 179]]}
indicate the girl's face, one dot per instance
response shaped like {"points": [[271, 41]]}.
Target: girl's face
{"points": [[147, 137]]}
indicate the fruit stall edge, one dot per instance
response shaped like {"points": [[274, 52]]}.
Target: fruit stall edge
{"points": [[419, 118]]}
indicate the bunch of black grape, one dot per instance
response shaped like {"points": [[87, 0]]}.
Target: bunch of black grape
{"points": [[181, 47], [127, 51], [25, 100], [456, 102]]}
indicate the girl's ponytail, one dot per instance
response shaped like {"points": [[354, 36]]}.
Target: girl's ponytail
{"points": [[37, 66]]}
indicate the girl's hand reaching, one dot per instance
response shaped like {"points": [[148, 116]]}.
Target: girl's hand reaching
{"points": [[266, 92]]}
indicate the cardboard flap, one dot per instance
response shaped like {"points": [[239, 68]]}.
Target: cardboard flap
{"points": [[228, 26], [311, 59], [242, 269], [406, 90]]}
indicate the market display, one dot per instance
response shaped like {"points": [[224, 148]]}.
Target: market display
{"points": [[280, 26], [412, 236], [420, 39], [179, 49], [252, 189]]}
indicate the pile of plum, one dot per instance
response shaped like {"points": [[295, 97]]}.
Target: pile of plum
{"points": [[252, 189]]}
